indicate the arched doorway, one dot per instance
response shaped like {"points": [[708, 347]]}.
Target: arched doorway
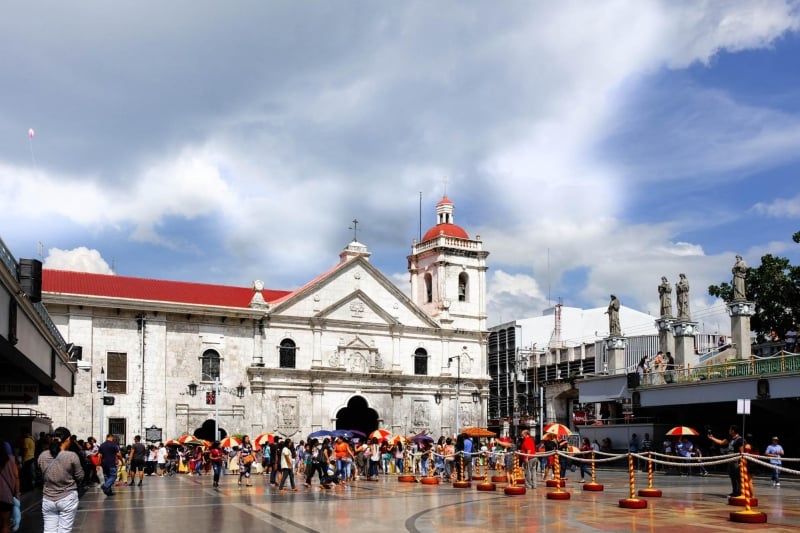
{"points": [[206, 431], [357, 415]]}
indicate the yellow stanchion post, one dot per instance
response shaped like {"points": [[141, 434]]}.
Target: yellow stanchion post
{"points": [[650, 492], [461, 483], [407, 476], [747, 516], [593, 485], [485, 484], [514, 489], [500, 477], [431, 478], [556, 481], [633, 502], [557, 494], [479, 470]]}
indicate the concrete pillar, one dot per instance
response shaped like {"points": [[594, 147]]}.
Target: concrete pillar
{"points": [[666, 339], [615, 348], [684, 332], [740, 312]]}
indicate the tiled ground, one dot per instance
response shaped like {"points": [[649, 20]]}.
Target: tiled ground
{"points": [[189, 504]]}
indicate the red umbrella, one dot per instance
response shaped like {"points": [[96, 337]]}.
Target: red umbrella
{"points": [[172, 442], [264, 439], [380, 434], [184, 438], [230, 442], [680, 431], [559, 430]]}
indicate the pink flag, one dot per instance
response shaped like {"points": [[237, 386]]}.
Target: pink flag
{"points": [[31, 133]]}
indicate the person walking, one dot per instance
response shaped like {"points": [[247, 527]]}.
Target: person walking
{"points": [[216, 457], [246, 459], [137, 460], [775, 451], [62, 473], [287, 464], [9, 485], [109, 454]]}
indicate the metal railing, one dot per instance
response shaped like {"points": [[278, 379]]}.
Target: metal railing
{"points": [[782, 363]]}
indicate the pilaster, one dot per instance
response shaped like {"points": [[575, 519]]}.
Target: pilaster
{"points": [[740, 312]]}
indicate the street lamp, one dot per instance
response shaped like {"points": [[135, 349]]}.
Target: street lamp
{"points": [[458, 390], [101, 387]]}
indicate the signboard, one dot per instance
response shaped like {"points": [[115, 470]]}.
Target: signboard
{"points": [[19, 393], [152, 434], [742, 407]]}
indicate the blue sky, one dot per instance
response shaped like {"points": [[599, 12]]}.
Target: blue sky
{"points": [[594, 146]]}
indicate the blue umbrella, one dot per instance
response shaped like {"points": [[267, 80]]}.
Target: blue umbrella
{"points": [[358, 433], [321, 434], [343, 433], [422, 438]]}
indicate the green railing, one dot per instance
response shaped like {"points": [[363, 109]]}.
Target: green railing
{"points": [[782, 363]]}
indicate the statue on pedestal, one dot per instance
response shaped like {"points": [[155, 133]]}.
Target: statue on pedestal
{"points": [[614, 329], [665, 297], [682, 292], [739, 272]]}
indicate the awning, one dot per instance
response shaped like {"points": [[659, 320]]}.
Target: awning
{"points": [[603, 389]]}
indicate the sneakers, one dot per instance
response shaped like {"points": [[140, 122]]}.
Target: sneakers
{"points": [[140, 482], [777, 484]]}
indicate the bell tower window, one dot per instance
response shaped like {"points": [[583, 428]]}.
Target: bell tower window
{"points": [[463, 287], [428, 288]]}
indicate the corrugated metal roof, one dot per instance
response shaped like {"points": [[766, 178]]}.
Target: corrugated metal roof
{"points": [[111, 286]]}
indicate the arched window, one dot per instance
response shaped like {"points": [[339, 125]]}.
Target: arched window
{"points": [[421, 362], [463, 287], [428, 288], [210, 365], [287, 354]]}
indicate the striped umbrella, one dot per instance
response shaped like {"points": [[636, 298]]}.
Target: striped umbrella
{"points": [[680, 431], [230, 442], [184, 438], [380, 434], [559, 430]]}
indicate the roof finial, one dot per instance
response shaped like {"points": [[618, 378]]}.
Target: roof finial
{"points": [[354, 227], [444, 186]]}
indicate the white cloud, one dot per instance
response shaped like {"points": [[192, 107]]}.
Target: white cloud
{"points": [[779, 208], [79, 259]]}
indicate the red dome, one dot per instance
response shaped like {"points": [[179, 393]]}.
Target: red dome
{"points": [[444, 200], [450, 230]]}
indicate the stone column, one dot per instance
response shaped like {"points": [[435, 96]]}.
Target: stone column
{"points": [[740, 312], [615, 348], [684, 331], [666, 339]]}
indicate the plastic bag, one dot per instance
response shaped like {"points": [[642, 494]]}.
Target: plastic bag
{"points": [[16, 515]]}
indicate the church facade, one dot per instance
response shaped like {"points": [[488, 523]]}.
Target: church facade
{"points": [[349, 350]]}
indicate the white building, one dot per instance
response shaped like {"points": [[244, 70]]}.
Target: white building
{"points": [[349, 350]]}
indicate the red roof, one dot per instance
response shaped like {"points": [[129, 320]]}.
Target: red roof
{"points": [[156, 290], [444, 200], [450, 230]]}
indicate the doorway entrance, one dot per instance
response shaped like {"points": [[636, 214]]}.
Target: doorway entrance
{"points": [[357, 415]]}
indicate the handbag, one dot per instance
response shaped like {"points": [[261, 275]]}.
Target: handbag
{"points": [[247, 459]]}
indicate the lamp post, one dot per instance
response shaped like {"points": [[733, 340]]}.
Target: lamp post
{"points": [[458, 390], [101, 387]]}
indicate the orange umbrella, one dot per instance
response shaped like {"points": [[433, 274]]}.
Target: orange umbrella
{"points": [[380, 434], [264, 439], [230, 442], [172, 442], [559, 430], [184, 438], [680, 431]]}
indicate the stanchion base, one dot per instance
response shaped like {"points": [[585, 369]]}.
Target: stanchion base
{"points": [[486, 486], [632, 503], [558, 495], [479, 477], [749, 517], [595, 487], [499, 479], [461, 484], [555, 483], [429, 480], [650, 493], [514, 490], [739, 501], [406, 479]]}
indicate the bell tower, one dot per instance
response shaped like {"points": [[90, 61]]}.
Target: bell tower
{"points": [[448, 273]]}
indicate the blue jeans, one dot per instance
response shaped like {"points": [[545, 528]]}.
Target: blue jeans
{"points": [[286, 472], [217, 466], [110, 473]]}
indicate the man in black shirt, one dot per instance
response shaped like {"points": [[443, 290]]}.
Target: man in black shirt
{"points": [[137, 460], [734, 444], [109, 453]]}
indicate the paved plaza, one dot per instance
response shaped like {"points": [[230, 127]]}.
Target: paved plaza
{"points": [[183, 503]]}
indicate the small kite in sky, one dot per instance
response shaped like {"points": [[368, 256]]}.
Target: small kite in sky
{"points": [[31, 133]]}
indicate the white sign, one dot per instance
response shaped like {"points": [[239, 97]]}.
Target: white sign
{"points": [[742, 407]]}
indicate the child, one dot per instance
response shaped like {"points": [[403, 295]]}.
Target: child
{"points": [[122, 473]]}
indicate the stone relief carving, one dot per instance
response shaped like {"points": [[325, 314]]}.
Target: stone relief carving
{"points": [[358, 363], [357, 309], [287, 415], [466, 415], [421, 414]]}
